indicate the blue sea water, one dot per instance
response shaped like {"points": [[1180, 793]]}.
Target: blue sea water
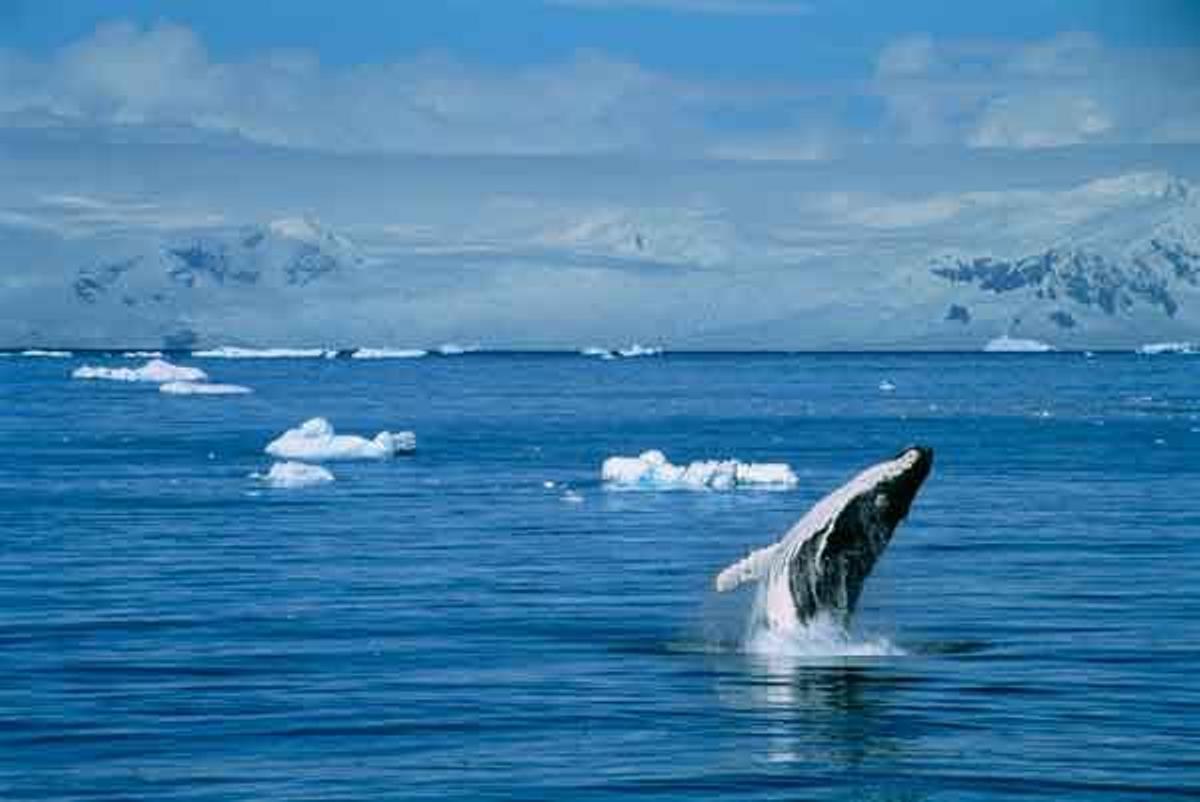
{"points": [[448, 627]]}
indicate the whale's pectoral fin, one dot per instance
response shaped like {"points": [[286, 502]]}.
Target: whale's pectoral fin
{"points": [[749, 569]]}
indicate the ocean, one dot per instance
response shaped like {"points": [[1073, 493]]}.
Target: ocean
{"points": [[451, 626]]}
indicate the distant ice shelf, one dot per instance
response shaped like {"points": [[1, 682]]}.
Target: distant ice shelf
{"points": [[652, 471]]}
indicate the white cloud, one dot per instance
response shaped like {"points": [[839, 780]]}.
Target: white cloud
{"points": [[163, 76], [1070, 89], [162, 82]]}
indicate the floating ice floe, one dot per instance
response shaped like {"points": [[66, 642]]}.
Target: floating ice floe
{"points": [[1170, 348], [156, 370], [388, 353], [1008, 344], [234, 352], [142, 355], [651, 470], [886, 386], [631, 352], [292, 475], [39, 352], [202, 388], [454, 349], [315, 441]]}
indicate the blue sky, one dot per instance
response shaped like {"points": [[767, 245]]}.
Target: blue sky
{"points": [[732, 173], [827, 39]]}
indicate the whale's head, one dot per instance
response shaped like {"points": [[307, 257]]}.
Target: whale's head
{"points": [[827, 569], [900, 478]]}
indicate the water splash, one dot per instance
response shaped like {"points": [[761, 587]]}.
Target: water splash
{"points": [[773, 634]]}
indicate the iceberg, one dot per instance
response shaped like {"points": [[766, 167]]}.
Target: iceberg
{"points": [[1170, 348], [292, 475], [47, 354], [234, 352], [636, 350], [156, 370], [630, 352], [202, 388], [454, 349], [1008, 344], [651, 470], [388, 353], [315, 441]]}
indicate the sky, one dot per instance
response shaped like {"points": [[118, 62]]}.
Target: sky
{"points": [[583, 135]]}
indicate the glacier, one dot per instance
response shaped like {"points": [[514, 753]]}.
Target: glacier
{"points": [[652, 470], [315, 441]]}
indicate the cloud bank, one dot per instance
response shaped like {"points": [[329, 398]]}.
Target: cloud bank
{"points": [[161, 80]]}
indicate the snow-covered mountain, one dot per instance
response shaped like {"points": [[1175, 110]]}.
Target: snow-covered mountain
{"points": [[292, 252], [1112, 254]]}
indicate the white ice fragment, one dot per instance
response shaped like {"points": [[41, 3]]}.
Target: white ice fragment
{"points": [[636, 350], [234, 352], [142, 355], [40, 352], [1169, 348], [202, 388], [1008, 344], [652, 470], [156, 370], [388, 353], [454, 349], [886, 386], [293, 475], [315, 441]]}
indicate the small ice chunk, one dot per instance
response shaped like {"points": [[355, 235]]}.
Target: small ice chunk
{"points": [[142, 355], [572, 497], [636, 350], [202, 388], [454, 349], [156, 370], [887, 386], [652, 470], [293, 475], [388, 353], [315, 441], [549, 485], [235, 352], [602, 353], [41, 352], [1169, 348], [1008, 344]]}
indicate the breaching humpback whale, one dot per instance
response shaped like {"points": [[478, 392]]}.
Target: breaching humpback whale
{"points": [[821, 563]]}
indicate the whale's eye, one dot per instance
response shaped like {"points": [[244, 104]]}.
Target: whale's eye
{"points": [[881, 501]]}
